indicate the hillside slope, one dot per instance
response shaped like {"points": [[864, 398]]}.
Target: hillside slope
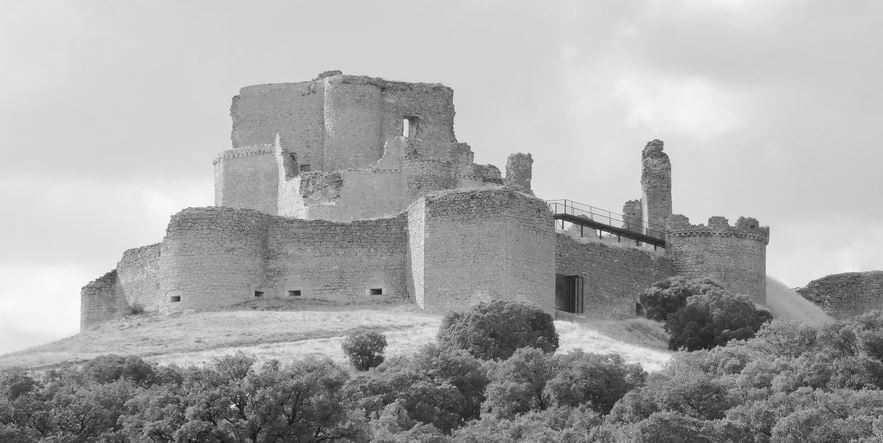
{"points": [[285, 335], [785, 303]]}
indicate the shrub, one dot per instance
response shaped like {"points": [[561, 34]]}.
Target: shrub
{"points": [[596, 380], [518, 384], [136, 309], [109, 368], [666, 297], [495, 330], [713, 319], [364, 349]]}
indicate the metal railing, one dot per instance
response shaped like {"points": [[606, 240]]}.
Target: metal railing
{"points": [[603, 216]]}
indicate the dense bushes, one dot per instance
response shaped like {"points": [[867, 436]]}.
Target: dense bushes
{"points": [[665, 297], [364, 349], [700, 314], [787, 383], [713, 319], [495, 330]]}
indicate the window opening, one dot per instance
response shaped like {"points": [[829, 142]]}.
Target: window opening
{"points": [[294, 293], [258, 293], [175, 298], [304, 167], [409, 127], [375, 291]]}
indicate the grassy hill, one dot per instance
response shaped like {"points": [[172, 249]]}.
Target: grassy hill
{"points": [[274, 329]]}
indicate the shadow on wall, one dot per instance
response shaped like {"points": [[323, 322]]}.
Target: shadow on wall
{"points": [[787, 304]]}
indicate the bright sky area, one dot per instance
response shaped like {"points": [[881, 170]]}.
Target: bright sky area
{"points": [[110, 113]]}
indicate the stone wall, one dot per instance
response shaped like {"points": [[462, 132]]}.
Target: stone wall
{"points": [[632, 216], [341, 121], [100, 301], [519, 171], [213, 257], [430, 106], [293, 110], [138, 276], [352, 124], [613, 277], [733, 255], [247, 178], [848, 294], [337, 261], [486, 244], [416, 250]]}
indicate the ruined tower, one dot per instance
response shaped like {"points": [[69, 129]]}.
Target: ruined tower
{"points": [[632, 218], [655, 187], [519, 169], [346, 147]]}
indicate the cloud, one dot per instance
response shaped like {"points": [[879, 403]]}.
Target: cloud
{"points": [[39, 303], [689, 106], [88, 222]]}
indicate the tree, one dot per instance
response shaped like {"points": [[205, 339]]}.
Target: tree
{"points": [[112, 367], [364, 349], [437, 386], [666, 297], [598, 381], [713, 319], [495, 330], [518, 384]]}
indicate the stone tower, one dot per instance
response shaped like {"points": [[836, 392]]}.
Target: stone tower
{"points": [[518, 172], [655, 187], [735, 256], [632, 218]]}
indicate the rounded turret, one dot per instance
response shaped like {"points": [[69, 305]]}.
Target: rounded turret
{"points": [[735, 256]]}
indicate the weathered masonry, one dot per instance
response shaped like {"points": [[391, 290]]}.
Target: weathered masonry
{"points": [[352, 188]]}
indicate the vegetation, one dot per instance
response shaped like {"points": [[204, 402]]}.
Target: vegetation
{"points": [[364, 349], [789, 382], [700, 314], [495, 330], [667, 296]]}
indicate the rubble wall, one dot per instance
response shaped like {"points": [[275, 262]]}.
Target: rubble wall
{"points": [[613, 277], [212, 257], [487, 244], [352, 116], [138, 276], [337, 261], [101, 301], [247, 178], [293, 110], [848, 294]]}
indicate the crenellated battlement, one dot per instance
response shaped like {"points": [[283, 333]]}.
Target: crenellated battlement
{"points": [[244, 151], [733, 255], [678, 226]]}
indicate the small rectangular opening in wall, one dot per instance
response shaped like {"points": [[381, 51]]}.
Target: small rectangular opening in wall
{"points": [[409, 126], [375, 291], [258, 293], [294, 293], [175, 298], [304, 168]]}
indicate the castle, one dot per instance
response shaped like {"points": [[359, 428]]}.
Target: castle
{"points": [[352, 188]]}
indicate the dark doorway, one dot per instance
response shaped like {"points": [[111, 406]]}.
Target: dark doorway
{"points": [[569, 293]]}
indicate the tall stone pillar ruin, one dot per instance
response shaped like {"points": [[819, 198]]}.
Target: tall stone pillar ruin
{"points": [[519, 169], [655, 187]]}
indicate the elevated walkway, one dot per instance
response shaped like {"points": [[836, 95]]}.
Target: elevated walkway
{"points": [[606, 221]]}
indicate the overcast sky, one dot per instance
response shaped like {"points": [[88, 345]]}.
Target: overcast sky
{"points": [[110, 113]]}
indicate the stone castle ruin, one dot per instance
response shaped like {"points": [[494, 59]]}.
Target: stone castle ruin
{"points": [[355, 189]]}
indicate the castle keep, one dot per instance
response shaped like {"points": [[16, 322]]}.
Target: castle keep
{"points": [[352, 188]]}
